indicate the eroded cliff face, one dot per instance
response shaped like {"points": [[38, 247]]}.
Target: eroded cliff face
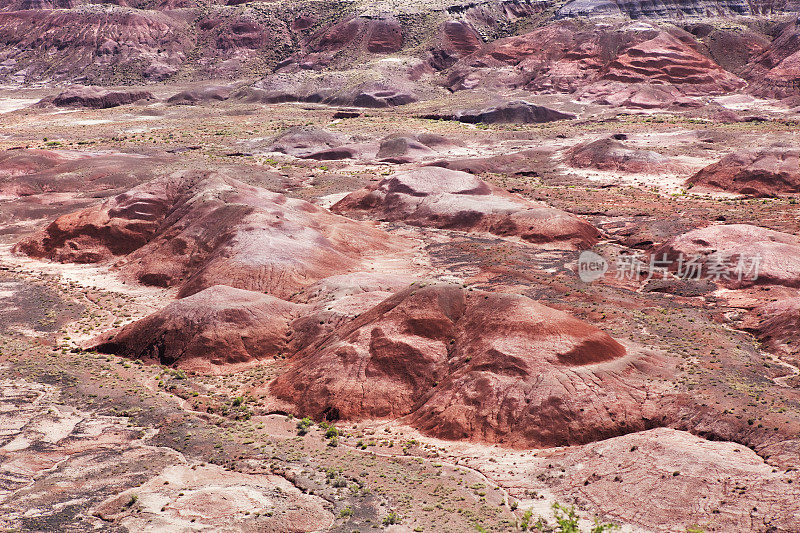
{"points": [[675, 9], [134, 42]]}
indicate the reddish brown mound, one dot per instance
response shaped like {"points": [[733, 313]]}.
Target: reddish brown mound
{"points": [[468, 364], [385, 36], [23, 162], [215, 328], [610, 154], [442, 198], [768, 172], [333, 88], [201, 229], [515, 112], [667, 59], [349, 38], [460, 38], [401, 148], [512, 112], [776, 254], [526, 163], [98, 98]]}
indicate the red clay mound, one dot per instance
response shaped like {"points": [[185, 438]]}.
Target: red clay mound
{"points": [[468, 364], [99, 98], [768, 172], [775, 254], [305, 142], [610, 154], [374, 35], [511, 112], [667, 59], [443, 198], [215, 328], [459, 38], [201, 229], [515, 112], [349, 89], [22, 162]]}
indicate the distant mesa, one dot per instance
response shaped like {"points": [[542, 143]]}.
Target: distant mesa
{"points": [[442, 198], [98, 98], [568, 57], [512, 112]]}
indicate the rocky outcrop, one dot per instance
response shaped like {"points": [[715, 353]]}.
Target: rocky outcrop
{"points": [[684, 478], [769, 172], [442, 198], [777, 325]]}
